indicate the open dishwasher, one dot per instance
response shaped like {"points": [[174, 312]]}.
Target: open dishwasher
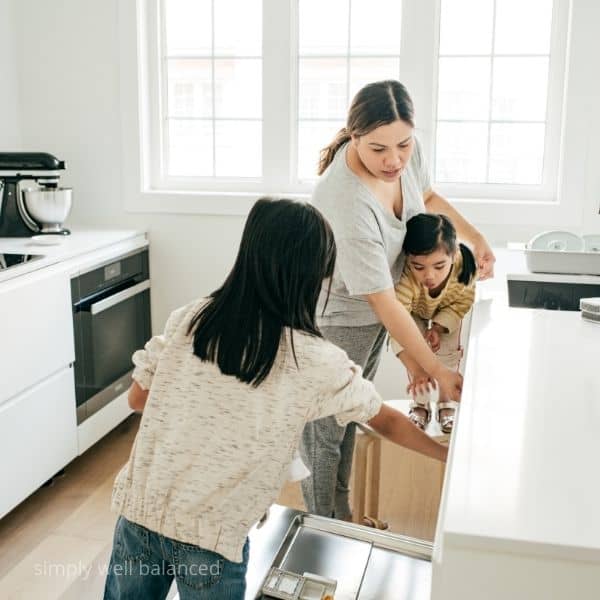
{"points": [[319, 558]]}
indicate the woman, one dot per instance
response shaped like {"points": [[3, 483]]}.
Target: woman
{"points": [[226, 392], [373, 179]]}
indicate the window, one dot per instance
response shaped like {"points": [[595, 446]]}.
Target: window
{"points": [[211, 67], [494, 97], [240, 106], [342, 45], [211, 115]]}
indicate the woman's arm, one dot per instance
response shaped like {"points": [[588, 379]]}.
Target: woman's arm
{"points": [[400, 325], [434, 203], [394, 426]]}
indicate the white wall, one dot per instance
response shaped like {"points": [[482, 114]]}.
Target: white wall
{"points": [[67, 61], [10, 134], [69, 76]]}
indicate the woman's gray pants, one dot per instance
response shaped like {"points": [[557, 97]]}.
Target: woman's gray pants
{"points": [[326, 447]]}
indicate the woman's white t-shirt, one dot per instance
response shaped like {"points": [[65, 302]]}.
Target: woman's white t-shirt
{"points": [[369, 239]]}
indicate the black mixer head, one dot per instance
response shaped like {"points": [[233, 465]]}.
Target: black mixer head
{"points": [[29, 161]]}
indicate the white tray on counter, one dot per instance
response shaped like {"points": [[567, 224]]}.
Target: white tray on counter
{"points": [[553, 261]]}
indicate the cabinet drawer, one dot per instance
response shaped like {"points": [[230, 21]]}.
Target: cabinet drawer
{"points": [[37, 330], [38, 437]]}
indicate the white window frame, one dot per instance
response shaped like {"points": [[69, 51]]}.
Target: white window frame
{"points": [[552, 204], [420, 26], [547, 190], [141, 94]]}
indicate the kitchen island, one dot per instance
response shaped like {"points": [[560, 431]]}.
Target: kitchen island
{"points": [[518, 517], [519, 511]]}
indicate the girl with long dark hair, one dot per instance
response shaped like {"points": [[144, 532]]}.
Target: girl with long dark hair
{"points": [[225, 393]]}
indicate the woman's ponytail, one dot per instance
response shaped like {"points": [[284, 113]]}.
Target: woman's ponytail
{"points": [[329, 152], [469, 266]]}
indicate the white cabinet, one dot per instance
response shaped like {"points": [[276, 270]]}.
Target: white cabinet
{"points": [[38, 422], [38, 436], [38, 429], [36, 330]]}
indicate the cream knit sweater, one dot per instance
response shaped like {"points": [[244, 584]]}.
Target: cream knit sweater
{"points": [[212, 452]]}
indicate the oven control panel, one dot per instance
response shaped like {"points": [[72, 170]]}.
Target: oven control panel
{"points": [[124, 270]]}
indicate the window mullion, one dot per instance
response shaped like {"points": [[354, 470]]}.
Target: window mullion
{"points": [[418, 53], [214, 87], [348, 54], [491, 95], [554, 106], [155, 102], [279, 84]]}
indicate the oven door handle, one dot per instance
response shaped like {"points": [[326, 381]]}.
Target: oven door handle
{"points": [[102, 305]]}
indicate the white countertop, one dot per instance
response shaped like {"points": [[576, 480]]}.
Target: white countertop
{"points": [[523, 475], [78, 243]]}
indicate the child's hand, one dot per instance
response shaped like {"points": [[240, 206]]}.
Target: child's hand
{"points": [[432, 337], [420, 383]]}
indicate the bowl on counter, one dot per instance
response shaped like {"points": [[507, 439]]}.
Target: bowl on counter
{"points": [[557, 241], [48, 207]]}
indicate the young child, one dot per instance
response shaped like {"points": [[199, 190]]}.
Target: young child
{"points": [[438, 288], [225, 393]]}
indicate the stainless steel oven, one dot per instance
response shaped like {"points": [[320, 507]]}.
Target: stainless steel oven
{"points": [[111, 318]]}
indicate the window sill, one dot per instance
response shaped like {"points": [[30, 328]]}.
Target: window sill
{"points": [[199, 203], [516, 212], [477, 210]]}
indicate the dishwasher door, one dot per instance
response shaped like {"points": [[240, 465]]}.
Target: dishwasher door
{"points": [[367, 564], [391, 574]]}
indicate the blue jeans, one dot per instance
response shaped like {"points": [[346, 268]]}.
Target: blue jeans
{"points": [[143, 564]]}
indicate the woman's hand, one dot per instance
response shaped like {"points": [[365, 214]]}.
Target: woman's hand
{"points": [[484, 256], [450, 383]]}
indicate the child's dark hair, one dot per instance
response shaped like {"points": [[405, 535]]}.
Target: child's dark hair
{"points": [[287, 250], [427, 232]]}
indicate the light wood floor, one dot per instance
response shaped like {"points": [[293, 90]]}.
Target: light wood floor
{"points": [[56, 544]]}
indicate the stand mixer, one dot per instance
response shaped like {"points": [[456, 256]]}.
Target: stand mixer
{"points": [[33, 210]]}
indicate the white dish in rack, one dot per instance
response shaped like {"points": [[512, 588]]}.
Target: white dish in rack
{"points": [[557, 241], [563, 252], [591, 242]]}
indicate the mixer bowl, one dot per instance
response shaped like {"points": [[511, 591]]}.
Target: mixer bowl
{"points": [[48, 207]]}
